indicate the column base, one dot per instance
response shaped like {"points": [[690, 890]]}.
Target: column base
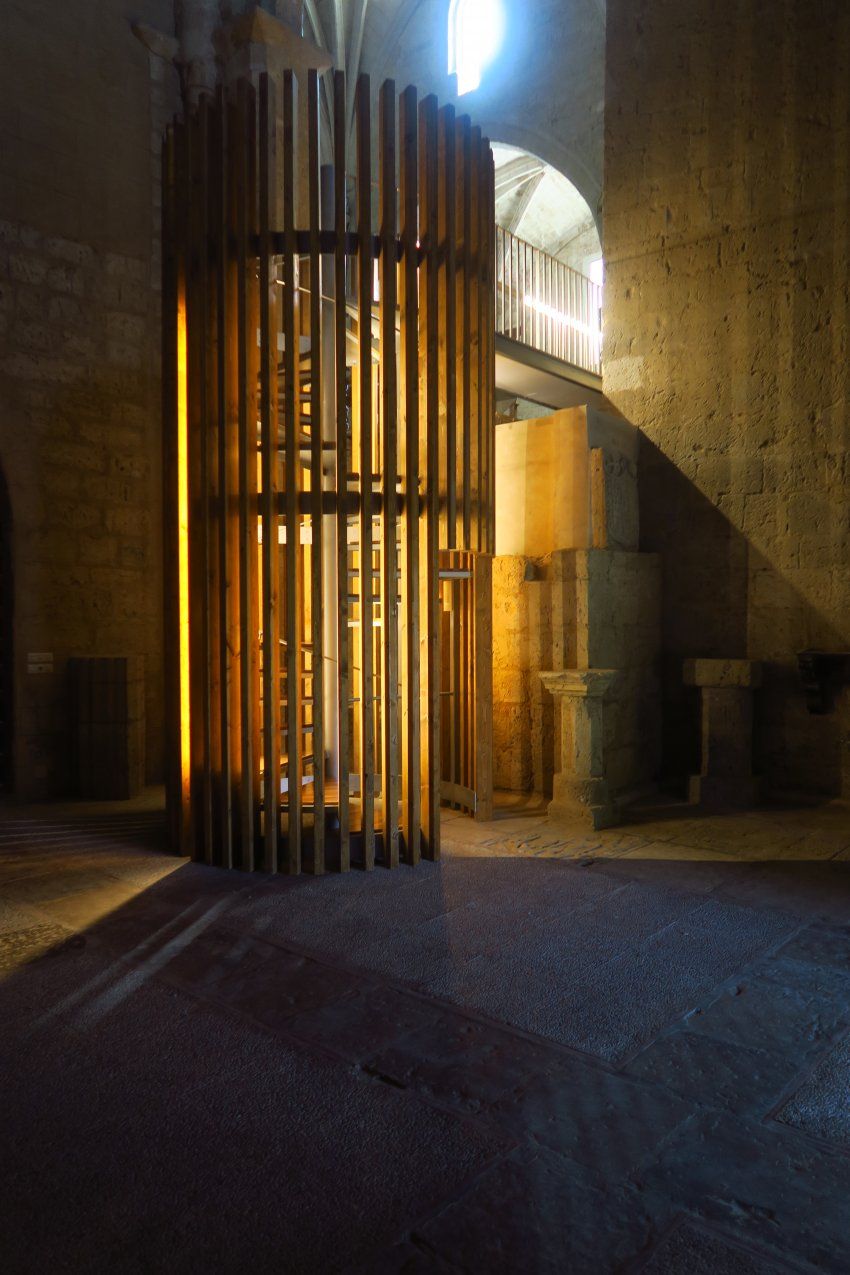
{"points": [[587, 801]]}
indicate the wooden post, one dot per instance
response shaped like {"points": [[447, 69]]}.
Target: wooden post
{"points": [[429, 380], [316, 512], [268, 441], [409, 341], [343, 610], [365, 246], [292, 430], [389, 421], [177, 815]]}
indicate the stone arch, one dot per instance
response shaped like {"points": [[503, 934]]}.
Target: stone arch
{"points": [[551, 152]]}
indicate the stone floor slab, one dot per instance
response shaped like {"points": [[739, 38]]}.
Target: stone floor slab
{"points": [[715, 1073], [761, 1185], [538, 1211], [821, 1106], [780, 1006], [820, 946], [369, 1018], [690, 1249], [463, 1063], [608, 1122]]}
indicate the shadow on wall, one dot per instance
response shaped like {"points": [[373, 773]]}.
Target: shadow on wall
{"points": [[721, 598]]}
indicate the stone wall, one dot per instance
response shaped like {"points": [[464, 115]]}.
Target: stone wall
{"points": [[726, 325], [82, 105]]}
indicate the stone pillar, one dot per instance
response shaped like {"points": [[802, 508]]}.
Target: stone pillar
{"points": [[580, 788], [726, 775]]}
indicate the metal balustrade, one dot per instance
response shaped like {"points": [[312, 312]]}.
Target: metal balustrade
{"points": [[547, 305]]}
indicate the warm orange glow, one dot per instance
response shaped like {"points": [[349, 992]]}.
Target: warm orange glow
{"points": [[183, 541]]}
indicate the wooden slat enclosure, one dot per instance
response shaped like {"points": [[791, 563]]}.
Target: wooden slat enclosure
{"points": [[328, 475]]}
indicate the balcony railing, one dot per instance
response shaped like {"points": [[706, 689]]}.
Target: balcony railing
{"points": [[546, 305]]}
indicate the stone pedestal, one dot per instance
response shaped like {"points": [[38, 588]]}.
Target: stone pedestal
{"points": [[726, 777], [580, 788]]}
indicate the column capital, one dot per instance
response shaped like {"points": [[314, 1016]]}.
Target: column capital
{"points": [[585, 683]]}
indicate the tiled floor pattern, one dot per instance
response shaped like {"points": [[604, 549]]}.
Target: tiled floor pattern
{"points": [[628, 1051]]}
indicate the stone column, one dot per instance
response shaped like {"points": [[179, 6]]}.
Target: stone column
{"points": [[726, 775], [580, 788]]}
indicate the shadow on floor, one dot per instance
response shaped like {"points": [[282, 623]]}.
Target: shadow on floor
{"points": [[479, 1063]]}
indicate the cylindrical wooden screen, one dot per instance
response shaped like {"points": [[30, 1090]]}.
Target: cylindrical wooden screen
{"points": [[328, 437]]}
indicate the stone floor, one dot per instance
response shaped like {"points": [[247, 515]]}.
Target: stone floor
{"points": [[628, 1051]]}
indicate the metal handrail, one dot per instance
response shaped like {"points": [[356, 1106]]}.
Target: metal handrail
{"points": [[544, 304]]}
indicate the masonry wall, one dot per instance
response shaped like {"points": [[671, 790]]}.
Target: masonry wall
{"points": [[81, 104], [727, 225]]}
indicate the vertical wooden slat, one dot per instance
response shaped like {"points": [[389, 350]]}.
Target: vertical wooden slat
{"points": [[490, 323], [224, 390], [177, 824], [191, 532], [447, 328], [367, 609], [389, 449], [477, 348], [343, 633], [464, 204], [473, 351], [429, 377], [293, 558], [462, 466], [247, 426], [481, 318], [448, 412], [211, 486], [409, 341], [199, 477], [208, 480], [233, 162], [207, 443], [469, 630], [316, 434], [268, 448]]}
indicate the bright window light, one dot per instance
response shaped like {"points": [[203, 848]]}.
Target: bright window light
{"points": [[476, 31], [595, 271]]}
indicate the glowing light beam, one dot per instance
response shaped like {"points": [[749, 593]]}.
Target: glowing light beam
{"points": [[566, 320]]}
